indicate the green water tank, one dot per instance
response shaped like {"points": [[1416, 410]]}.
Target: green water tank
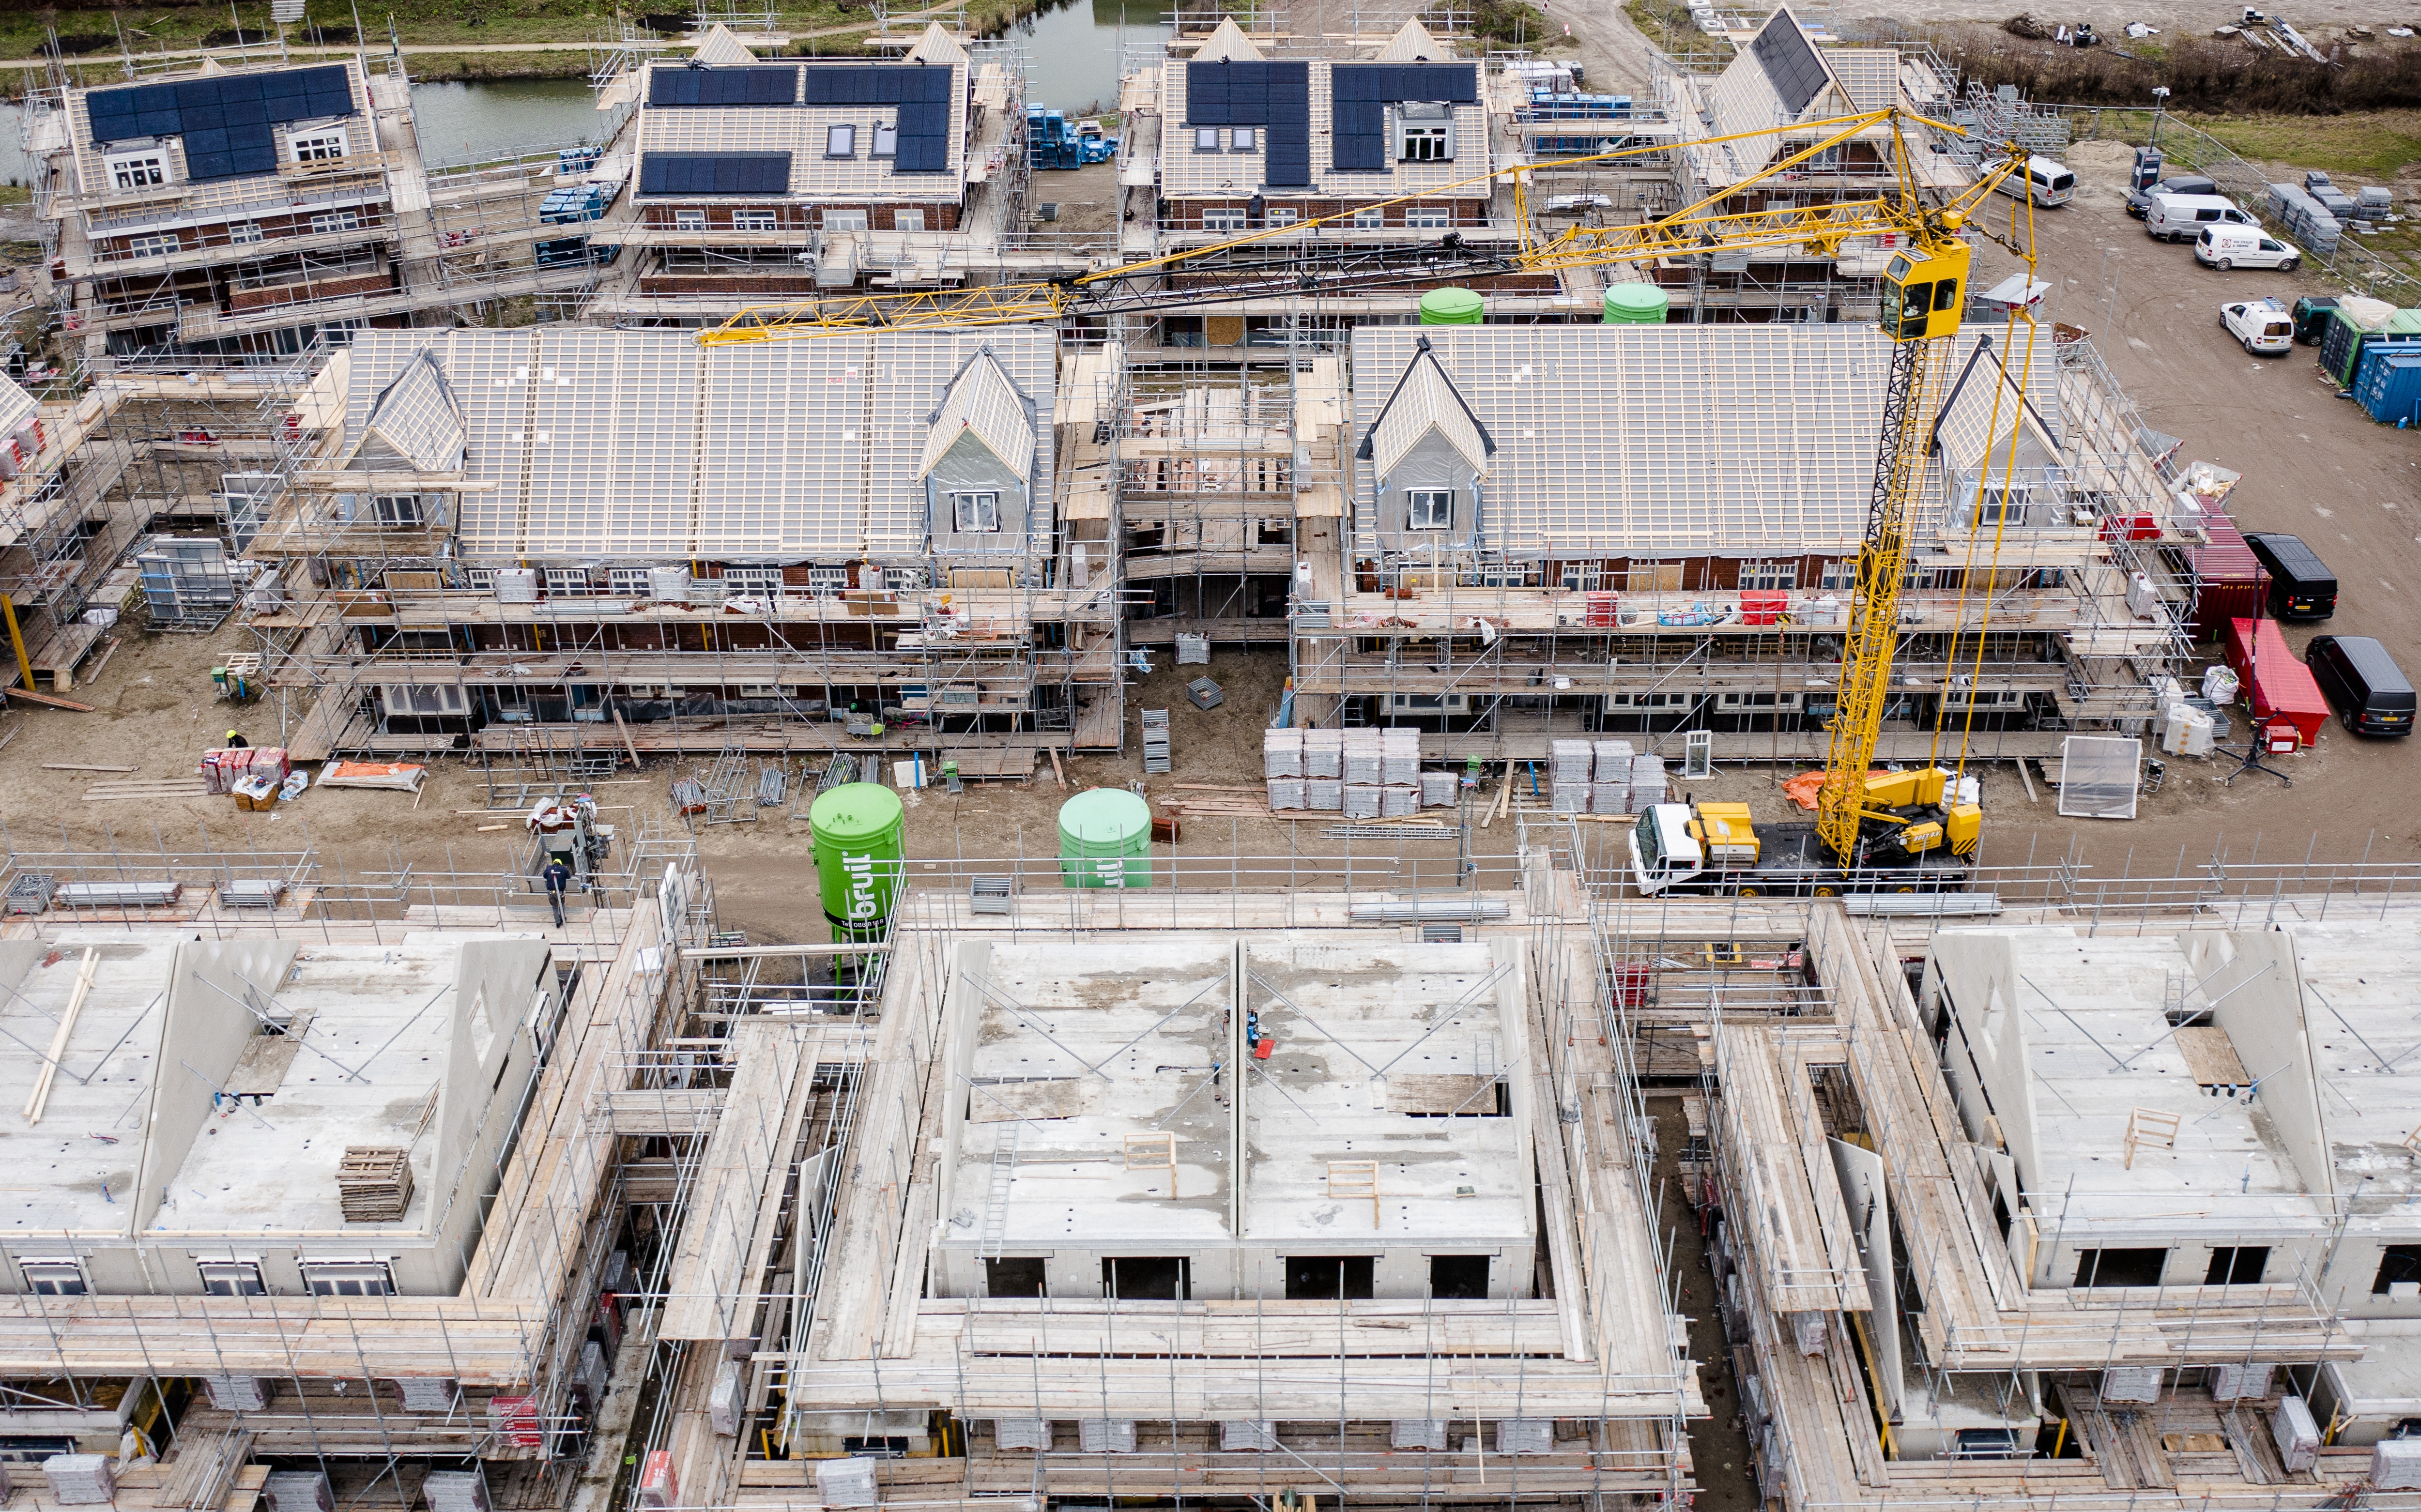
{"points": [[1636, 304], [1451, 306], [1105, 839], [858, 834]]}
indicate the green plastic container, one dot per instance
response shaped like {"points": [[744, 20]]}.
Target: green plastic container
{"points": [[1636, 305], [1451, 306], [1105, 839], [858, 834]]}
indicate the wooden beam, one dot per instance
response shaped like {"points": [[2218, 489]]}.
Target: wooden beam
{"points": [[49, 700]]}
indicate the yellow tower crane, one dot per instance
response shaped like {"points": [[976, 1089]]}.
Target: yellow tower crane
{"points": [[1871, 831]]}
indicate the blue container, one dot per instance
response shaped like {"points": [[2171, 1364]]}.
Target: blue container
{"points": [[2390, 392]]}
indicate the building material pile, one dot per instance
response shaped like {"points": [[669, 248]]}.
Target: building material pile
{"points": [[1603, 777], [374, 1183]]}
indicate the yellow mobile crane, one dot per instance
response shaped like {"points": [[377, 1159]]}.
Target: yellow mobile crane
{"points": [[1901, 831]]}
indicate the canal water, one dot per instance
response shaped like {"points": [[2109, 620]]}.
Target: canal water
{"points": [[1072, 49]]}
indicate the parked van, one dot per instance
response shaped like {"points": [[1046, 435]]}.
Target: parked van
{"points": [[2245, 246], [2369, 692], [2046, 182], [2301, 585], [2181, 217]]}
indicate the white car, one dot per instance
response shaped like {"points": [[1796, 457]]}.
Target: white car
{"points": [[2264, 325]]}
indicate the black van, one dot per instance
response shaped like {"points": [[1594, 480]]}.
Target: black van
{"points": [[2371, 693], [2301, 585]]}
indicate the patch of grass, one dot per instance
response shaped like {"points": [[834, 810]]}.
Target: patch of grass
{"points": [[16, 195], [1669, 24], [2361, 144]]}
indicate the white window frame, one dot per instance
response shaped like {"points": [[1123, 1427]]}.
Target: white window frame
{"points": [[1581, 577], [1205, 139], [399, 511], [907, 220], [886, 139], [903, 579], [347, 1278], [479, 579], [158, 244], [1284, 217], [840, 140], [424, 700], [754, 582], [1225, 220], [689, 220], [1839, 575], [626, 582], [564, 581], [756, 220], [130, 172], [244, 233], [967, 511], [1768, 576], [1429, 218], [1244, 139], [54, 1275], [329, 222], [1429, 509], [325, 144], [1371, 219], [231, 1278], [1424, 138], [844, 219], [827, 582]]}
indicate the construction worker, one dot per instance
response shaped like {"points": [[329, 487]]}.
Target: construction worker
{"points": [[235, 740], [558, 877]]}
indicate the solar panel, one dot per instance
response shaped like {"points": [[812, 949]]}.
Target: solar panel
{"points": [[241, 106], [1789, 62], [1274, 95], [772, 85], [714, 173], [860, 84], [1360, 93]]}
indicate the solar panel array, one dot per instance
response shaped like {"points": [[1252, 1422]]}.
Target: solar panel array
{"points": [[1360, 93], [1790, 63], [1273, 96], [922, 92], [724, 87], [225, 121], [714, 173]]}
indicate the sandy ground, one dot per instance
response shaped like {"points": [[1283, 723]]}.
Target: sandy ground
{"points": [[1087, 198]]}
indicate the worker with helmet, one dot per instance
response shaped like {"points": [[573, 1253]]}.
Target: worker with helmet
{"points": [[235, 740]]}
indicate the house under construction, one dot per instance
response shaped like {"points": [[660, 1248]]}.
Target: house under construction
{"points": [[627, 541]]}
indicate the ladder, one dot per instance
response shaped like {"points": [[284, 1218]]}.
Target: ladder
{"points": [[1004, 1176]]}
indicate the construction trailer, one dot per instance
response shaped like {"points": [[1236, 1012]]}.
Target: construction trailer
{"points": [[1251, 1252], [1998, 1216], [1557, 531], [629, 541], [342, 1188], [245, 205], [756, 182]]}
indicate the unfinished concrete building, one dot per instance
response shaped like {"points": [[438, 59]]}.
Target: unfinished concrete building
{"points": [[754, 181], [1325, 1210], [335, 1200], [236, 209], [1556, 530], [629, 540]]}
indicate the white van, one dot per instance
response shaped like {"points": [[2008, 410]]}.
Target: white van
{"points": [[2045, 183], [2245, 246], [2181, 217]]}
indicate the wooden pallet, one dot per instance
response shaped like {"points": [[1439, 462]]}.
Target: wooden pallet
{"points": [[374, 1183]]}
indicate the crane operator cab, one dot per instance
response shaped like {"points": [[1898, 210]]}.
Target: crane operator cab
{"points": [[1925, 290]]}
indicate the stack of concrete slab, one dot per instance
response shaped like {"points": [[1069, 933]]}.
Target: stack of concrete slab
{"points": [[1364, 757], [1569, 767], [456, 1490], [1438, 789], [1323, 754], [80, 1480], [1324, 795], [297, 1490], [1287, 792], [1399, 759], [238, 1394], [1398, 801], [1282, 753], [1610, 777], [1362, 800]]}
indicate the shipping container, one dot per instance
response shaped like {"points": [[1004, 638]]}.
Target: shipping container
{"points": [[2389, 390], [2274, 683], [2227, 580], [2343, 340]]}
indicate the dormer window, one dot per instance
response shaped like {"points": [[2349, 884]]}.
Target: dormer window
{"points": [[977, 511], [137, 170], [1423, 133], [324, 146], [840, 141], [1430, 509]]}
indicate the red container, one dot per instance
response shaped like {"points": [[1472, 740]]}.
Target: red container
{"points": [[1763, 608], [2227, 579], [2275, 684], [1262, 1047], [2130, 527], [1601, 609]]}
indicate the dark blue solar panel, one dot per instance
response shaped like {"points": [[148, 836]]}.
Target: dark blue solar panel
{"points": [[923, 93], [225, 121], [714, 173], [724, 87], [1274, 95], [1359, 94]]}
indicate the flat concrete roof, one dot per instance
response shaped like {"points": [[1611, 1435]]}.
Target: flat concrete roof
{"points": [[76, 1169], [371, 1030], [2357, 981], [1434, 1018]]}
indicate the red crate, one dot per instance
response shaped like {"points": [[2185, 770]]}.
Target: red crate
{"points": [[1763, 608], [2275, 684]]}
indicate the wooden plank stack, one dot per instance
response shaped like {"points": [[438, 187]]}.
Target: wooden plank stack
{"points": [[374, 1183]]}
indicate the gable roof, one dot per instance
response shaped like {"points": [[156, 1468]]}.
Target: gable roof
{"points": [[1412, 43], [416, 417], [982, 400], [936, 46], [1228, 44], [1984, 406], [1425, 399], [720, 49]]}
